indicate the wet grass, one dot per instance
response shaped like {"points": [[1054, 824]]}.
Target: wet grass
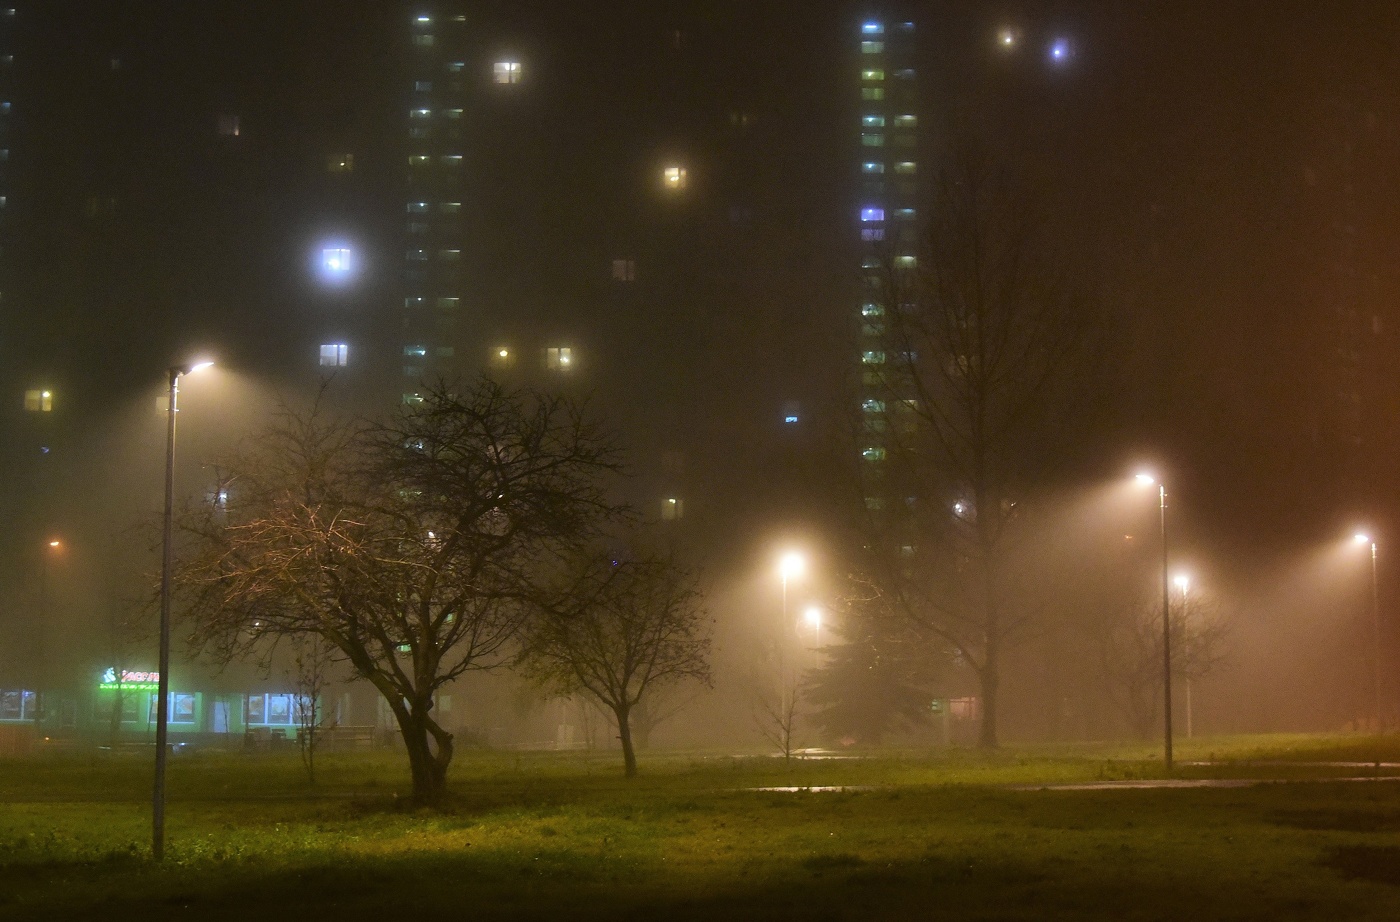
{"points": [[528, 836]]}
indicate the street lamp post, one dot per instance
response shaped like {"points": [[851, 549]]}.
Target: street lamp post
{"points": [[1149, 480], [789, 567], [166, 565], [1184, 584], [1375, 635]]}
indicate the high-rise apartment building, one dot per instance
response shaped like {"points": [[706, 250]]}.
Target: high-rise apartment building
{"points": [[888, 215]]}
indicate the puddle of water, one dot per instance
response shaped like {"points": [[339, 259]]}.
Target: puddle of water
{"points": [[816, 789]]}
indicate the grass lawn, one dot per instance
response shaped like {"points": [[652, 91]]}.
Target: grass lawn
{"points": [[940, 835]]}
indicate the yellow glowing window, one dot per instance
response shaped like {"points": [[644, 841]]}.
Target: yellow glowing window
{"points": [[38, 401], [674, 177], [507, 71]]}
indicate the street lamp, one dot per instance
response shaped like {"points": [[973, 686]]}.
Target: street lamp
{"points": [[166, 565], [1148, 480], [1364, 539]]}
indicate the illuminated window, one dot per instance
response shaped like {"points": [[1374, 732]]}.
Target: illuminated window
{"points": [[872, 93], [422, 86], [558, 358], [38, 401], [872, 233], [872, 310], [449, 255], [452, 113], [420, 113], [872, 75], [792, 413], [906, 121], [873, 406], [872, 139], [335, 355], [417, 207], [415, 351], [450, 207], [872, 167], [340, 163], [872, 47], [412, 302], [228, 126], [335, 259], [872, 214], [502, 357], [448, 304], [672, 509], [624, 270], [412, 399], [873, 121], [904, 214], [906, 73], [452, 160], [872, 358], [906, 167], [506, 71], [418, 255], [906, 262], [873, 454], [419, 160], [674, 177], [181, 708], [456, 67], [873, 28]]}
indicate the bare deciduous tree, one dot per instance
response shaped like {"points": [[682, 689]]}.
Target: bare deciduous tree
{"points": [[624, 630], [973, 363], [414, 548]]}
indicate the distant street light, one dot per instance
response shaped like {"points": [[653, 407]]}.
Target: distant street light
{"points": [[167, 564], [1363, 539], [1148, 480]]}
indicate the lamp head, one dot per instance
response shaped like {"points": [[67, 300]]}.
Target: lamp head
{"points": [[179, 371], [1362, 538], [813, 617], [791, 565], [1145, 479]]}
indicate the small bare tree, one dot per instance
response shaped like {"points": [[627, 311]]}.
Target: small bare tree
{"points": [[624, 629], [777, 716], [312, 661]]}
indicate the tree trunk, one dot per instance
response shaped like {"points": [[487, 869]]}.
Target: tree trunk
{"points": [[624, 733], [429, 768], [990, 678]]}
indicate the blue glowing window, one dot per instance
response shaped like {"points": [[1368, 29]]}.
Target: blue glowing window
{"points": [[872, 214], [335, 259], [873, 28], [872, 167]]}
